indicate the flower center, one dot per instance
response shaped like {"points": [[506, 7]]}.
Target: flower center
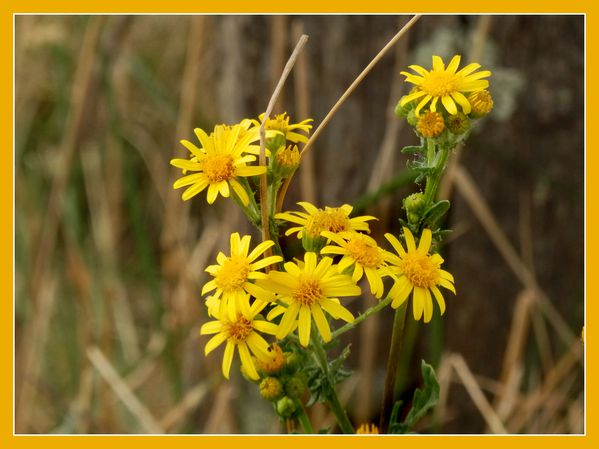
{"points": [[308, 292], [365, 253], [431, 124], [332, 219], [232, 274], [239, 330], [420, 270], [439, 84], [279, 123], [218, 167]]}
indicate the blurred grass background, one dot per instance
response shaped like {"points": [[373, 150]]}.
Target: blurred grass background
{"points": [[109, 260]]}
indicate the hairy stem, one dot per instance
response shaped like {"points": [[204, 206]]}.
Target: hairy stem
{"points": [[331, 396], [392, 363], [303, 419]]}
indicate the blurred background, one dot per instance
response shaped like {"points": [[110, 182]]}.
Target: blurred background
{"points": [[110, 262]]}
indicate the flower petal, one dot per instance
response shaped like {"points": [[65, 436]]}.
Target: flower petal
{"points": [[462, 101], [247, 362], [449, 104], [425, 241], [321, 322], [439, 298], [453, 64], [305, 323], [228, 359], [214, 342]]}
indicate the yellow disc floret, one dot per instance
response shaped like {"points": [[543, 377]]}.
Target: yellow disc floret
{"points": [[238, 331], [431, 124], [481, 102], [307, 292], [218, 167]]}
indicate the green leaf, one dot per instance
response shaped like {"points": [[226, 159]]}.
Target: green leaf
{"points": [[422, 401], [435, 212], [412, 149]]}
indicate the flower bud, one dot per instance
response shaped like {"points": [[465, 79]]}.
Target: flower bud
{"points": [[275, 363], [458, 124], [295, 386], [271, 389], [430, 124], [286, 407], [481, 103], [286, 161], [414, 206]]}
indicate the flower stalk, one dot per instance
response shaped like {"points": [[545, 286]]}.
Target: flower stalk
{"points": [[331, 394], [399, 322]]}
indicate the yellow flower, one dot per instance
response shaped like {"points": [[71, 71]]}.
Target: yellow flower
{"points": [[306, 291], [233, 274], [240, 332], [418, 272], [446, 84], [367, 429], [363, 254], [219, 164], [275, 362], [315, 220], [281, 123], [431, 124], [481, 101]]}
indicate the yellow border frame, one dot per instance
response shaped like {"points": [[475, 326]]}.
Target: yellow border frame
{"points": [[10, 7]]}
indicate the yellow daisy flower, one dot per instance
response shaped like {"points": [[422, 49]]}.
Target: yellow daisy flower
{"points": [[280, 122], [219, 163], [314, 221], [233, 275], [445, 84], [240, 332], [363, 254], [418, 272], [306, 291]]}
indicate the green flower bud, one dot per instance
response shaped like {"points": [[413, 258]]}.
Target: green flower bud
{"points": [[313, 243], [295, 386], [458, 123], [402, 111], [286, 407], [411, 118], [414, 206], [271, 389]]}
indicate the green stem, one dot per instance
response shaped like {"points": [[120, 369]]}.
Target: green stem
{"points": [[392, 364], [331, 396], [433, 181], [303, 419], [369, 312]]}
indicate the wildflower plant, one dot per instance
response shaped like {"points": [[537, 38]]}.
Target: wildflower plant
{"points": [[282, 312]]}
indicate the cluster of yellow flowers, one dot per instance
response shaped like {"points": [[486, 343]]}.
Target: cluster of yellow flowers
{"points": [[451, 88], [294, 294], [306, 291]]}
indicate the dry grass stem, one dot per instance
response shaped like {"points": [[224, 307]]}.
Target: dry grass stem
{"points": [[302, 110], [477, 396], [190, 401], [342, 99], [122, 390], [469, 191], [80, 92], [278, 44], [262, 157]]}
